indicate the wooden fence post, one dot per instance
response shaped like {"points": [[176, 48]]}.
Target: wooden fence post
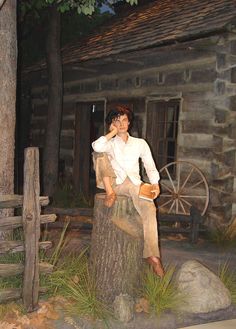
{"points": [[31, 227]]}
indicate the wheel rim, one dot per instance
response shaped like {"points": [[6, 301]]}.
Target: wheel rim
{"points": [[182, 185]]}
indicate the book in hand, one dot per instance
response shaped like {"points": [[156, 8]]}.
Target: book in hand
{"points": [[145, 192]]}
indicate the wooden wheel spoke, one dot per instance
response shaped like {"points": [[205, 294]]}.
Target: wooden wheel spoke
{"points": [[182, 206], [177, 206], [172, 183], [196, 184], [193, 196], [188, 203], [164, 204], [186, 186], [178, 177], [167, 187], [187, 178], [172, 206]]}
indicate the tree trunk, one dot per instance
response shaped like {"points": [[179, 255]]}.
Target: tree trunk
{"points": [[52, 135], [116, 257], [8, 66]]}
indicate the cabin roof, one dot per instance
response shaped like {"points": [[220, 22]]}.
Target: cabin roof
{"points": [[156, 23]]}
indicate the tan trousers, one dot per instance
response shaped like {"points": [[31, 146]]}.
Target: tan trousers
{"points": [[146, 209]]}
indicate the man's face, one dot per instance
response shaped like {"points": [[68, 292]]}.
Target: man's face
{"points": [[121, 123]]}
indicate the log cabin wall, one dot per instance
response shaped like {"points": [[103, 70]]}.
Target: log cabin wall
{"points": [[201, 75]]}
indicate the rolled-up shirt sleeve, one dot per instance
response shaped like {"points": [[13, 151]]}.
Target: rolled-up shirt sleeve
{"points": [[101, 144], [149, 164]]}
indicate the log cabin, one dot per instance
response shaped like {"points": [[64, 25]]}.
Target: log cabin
{"points": [[174, 63]]}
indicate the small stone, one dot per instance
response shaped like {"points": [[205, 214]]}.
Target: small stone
{"points": [[124, 307]]}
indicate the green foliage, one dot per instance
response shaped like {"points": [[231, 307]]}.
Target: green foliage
{"points": [[85, 7], [34, 22], [85, 300], [220, 237], [66, 197], [76, 26], [161, 293], [55, 257], [70, 268], [72, 279], [228, 277], [14, 281]]}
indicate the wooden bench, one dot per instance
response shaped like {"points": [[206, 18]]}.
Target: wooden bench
{"points": [[83, 218], [193, 223]]}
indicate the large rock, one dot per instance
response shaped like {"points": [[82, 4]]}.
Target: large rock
{"points": [[203, 291]]}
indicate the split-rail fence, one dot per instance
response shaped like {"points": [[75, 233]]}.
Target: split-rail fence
{"points": [[30, 220]]}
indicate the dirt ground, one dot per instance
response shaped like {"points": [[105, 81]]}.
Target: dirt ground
{"points": [[175, 250]]}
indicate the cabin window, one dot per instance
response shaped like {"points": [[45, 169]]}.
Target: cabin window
{"points": [[162, 130]]}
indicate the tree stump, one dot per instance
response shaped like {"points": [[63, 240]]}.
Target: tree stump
{"points": [[116, 256]]}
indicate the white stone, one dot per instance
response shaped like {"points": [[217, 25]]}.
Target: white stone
{"points": [[203, 291]]}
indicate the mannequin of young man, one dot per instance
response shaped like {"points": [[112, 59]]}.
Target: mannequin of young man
{"points": [[117, 168]]}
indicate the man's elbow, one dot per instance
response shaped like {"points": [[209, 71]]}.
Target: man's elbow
{"points": [[97, 148]]}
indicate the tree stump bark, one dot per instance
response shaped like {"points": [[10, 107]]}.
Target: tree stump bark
{"points": [[116, 256]]}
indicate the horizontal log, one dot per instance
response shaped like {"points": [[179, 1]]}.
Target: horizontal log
{"points": [[231, 198], [74, 219], [7, 295], [70, 211], [15, 201], [48, 218], [169, 229], [72, 225], [173, 218], [16, 221], [7, 270], [16, 246]]}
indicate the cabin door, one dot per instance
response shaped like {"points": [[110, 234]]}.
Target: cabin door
{"points": [[89, 125], [162, 129]]}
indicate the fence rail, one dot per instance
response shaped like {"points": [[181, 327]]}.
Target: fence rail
{"points": [[30, 221]]}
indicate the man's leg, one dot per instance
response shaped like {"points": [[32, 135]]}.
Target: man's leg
{"points": [[147, 212], [105, 177], [110, 194]]}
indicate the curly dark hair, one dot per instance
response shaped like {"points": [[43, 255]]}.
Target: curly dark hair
{"points": [[117, 111]]}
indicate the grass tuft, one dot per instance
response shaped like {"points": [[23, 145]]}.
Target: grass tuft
{"points": [[14, 281], [161, 293], [70, 278], [83, 294], [228, 277], [220, 236]]}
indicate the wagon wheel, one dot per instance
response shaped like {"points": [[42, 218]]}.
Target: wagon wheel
{"points": [[182, 185]]}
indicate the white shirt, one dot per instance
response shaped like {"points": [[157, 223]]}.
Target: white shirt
{"points": [[124, 157]]}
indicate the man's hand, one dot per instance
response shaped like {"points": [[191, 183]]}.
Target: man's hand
{"points": [[112, 132], [113, 129], [156, 190]]}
